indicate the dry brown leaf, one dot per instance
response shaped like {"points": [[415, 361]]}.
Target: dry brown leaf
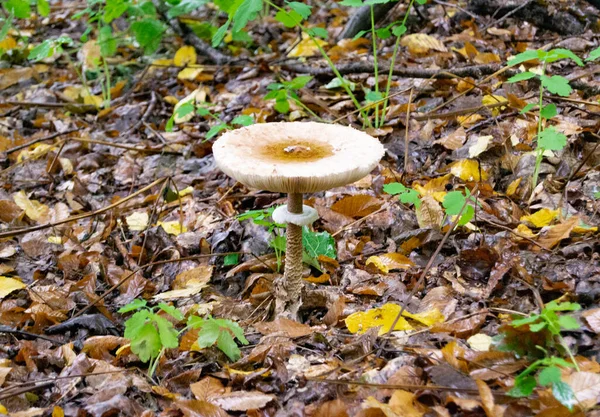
{"points": [[553, 235], [488, 402], [283, 327], [358, 205], [454, 140], [197, 408], [586, 386], [592, 318], [335, 408], [429, 213], [207, 389], [463, 327], [242, 400], [421, 43]]}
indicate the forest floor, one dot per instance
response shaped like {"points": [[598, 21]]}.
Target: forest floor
{"points": [[104, 205]]}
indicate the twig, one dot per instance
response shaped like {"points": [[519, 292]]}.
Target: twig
{"points": [[8, 330], [12, 233], [38, 140], [506, 16]]}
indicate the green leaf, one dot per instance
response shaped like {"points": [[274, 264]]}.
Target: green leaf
{"points": [[399, 30], [114, 9], [568, 322], [383, 33], [453, 202], [351, 3], [525, 320], [527, 108], [561, 53], [19, 8], [195, 322], [185, 7], [209, 332], [316, 244], [421, 2], [134, 324], [278, 243], [549, 111], [289, 19], [551, 139], [538, 327], [318, 32], [220, 34], [298, 82], [215, 130], [564, 394], [554, 360], [106, 41], [228, 346], [406, 195], [148, 33], [524, 386], [231, 259], [566, 306], [373, 96], [246, 12], [43, 8], [243, 120], [282, 105], [523, 57], [336, 83], [235, 328], [42, 51], [556, 85], [183, 110], [594, 55], [521, 77], [147, 344], [394, 188], [171, 311], [549, 375], [134, 305], [166, 331], [360, 34], [300, 8]]}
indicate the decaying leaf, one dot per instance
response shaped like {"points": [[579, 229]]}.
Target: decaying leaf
{"points": [[389, 261], [8, 285]]}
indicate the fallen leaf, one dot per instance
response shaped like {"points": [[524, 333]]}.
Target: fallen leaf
{"points": [[306, 47], [242, 400], [184, 56], [8, 285], [491, 99], [586, 387], [480, 146], [357, 205], [428, 318], [429, 213], [33, 208], [513, 186], [592, 318], [480, 342], [469, 120], [284, 327], [541, 217], [137, 221], [188, 283], [390, 261], [173, 228], [454, 140], [468, 170], [382, 317], [421, 43], [553, 235]]}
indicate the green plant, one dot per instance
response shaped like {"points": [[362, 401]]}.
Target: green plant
{"points": [[314, 243], [285, 91], [150, 334], [186, 108], [20, 9], [548, 138], [540, 334], [395, 28], [453, 201]]}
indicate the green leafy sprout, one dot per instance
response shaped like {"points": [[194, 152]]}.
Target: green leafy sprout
{"points": [[546, 371], [150, 334], [548, 138]]}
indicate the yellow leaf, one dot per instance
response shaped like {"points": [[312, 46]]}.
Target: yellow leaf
{"points": [[189, 73], [33, 208], [468, 170], [541, 217], [513, 186], [8, 43], [421, 43], [428, 318], [524, 231], [3, 409], [480, 146], [91, 99], [8, 285], [470, 120], [584, 228], [480, 342], [137, 221], [36, 151], [435, 188], [306, 47], [66, 165], [184, 56], [186, 191], [173, 228], [385, 263], [382, 317], [490, 99], [58, 412], [57, 240]]}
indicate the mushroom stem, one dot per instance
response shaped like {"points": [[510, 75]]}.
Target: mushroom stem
{"points": [[293, 253]]}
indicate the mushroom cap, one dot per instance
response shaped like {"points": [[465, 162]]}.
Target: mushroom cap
{"points": [[296, 157]]}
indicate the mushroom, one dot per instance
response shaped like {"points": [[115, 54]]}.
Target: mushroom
{"points": [[296, 158]]}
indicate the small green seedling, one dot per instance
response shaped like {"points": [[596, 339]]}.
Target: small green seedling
{"points": [[202, 109], [314, 244], [548, 138], [150, 334], [545, 328], [285, 91], [220, 332]]}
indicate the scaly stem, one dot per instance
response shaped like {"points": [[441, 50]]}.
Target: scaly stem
{"points": [[392, 63], [539, 151], [375, 66]]}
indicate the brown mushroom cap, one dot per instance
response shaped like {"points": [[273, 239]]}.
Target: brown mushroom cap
{"points": [[297, 157]]}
